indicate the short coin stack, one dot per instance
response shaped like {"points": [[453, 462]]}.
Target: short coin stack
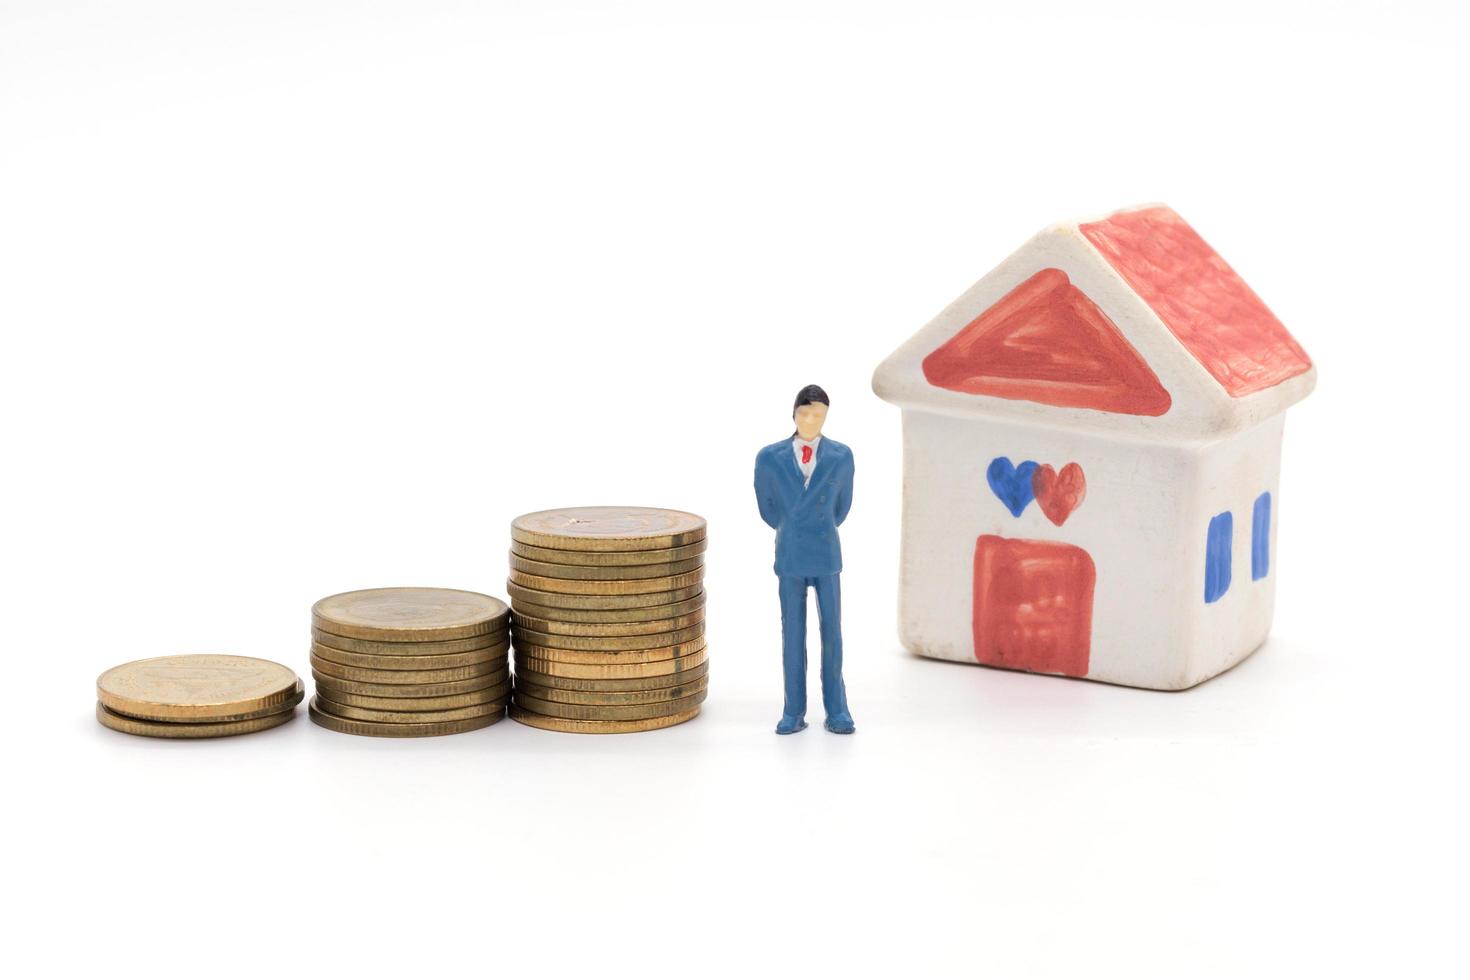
{"points": [[608, 611], [409, 662], [202, 695]]}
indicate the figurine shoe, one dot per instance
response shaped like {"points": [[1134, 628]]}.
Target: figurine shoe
{"points": [[789, 725], [841, 725]]}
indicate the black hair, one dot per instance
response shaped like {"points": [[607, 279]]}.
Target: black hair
{"points": [[810, 395]]}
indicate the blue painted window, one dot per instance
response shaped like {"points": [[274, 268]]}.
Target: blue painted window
{"points": [[1261, 538], [1217, 556]]}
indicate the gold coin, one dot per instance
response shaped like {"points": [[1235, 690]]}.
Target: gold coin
{"points": [[580, 727], [355, 713], [409, 614], [351, 726], [566, 655], [527, 651], [576, 586], [370, 676], [622, 573], [650, 641], [196, 687], [190, 729], [298, 693], [612, 697], [567, 600], [565, 556], [606, 685], [446, 702], [644, 614], [657, 668], [442, 661], [410, 690], [408, 648], [556, 627], [607, 712], [608, 528], [646, 656]]}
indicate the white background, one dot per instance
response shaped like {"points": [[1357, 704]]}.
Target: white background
{"points": [[305, 297]]}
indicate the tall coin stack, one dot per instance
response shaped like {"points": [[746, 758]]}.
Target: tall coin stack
{"points": [[608, 618], [409, 662]]}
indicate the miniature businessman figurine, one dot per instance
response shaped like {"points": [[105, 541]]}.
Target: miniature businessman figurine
{"points": [[804, 487]]}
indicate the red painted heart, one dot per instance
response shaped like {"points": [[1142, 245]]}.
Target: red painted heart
{"points": [[1058, 494]]}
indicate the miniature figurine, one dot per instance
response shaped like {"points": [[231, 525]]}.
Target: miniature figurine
{"points": [[803, 486], [1092, 453]]}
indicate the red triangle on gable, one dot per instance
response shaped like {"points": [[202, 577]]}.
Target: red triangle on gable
{"points": [[1046, 342]]}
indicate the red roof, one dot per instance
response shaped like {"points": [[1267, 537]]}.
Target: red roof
{"points": [[1046, 342], [1199, 297]]}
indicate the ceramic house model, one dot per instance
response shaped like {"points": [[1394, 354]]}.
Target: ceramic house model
{"points": [[1092, 442]]}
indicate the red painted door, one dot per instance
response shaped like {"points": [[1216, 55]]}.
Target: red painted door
{"points": [[1033, 605]]}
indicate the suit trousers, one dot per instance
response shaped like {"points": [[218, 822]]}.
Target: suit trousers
{"points": [[793, 642]]}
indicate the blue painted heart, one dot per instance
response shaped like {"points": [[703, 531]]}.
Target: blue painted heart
{"points": [[1011, 483]]}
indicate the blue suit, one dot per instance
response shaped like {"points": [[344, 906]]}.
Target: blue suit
{"points": [[808, 555]]}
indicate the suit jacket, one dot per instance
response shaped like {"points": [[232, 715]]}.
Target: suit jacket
{"points": [[805, 517]]}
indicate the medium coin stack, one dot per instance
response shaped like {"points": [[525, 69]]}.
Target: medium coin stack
{"points": [[608, 618], [409, 662], [201, 695]]}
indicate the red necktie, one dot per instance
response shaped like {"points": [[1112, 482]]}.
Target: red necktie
{"points": [[806, 455]]}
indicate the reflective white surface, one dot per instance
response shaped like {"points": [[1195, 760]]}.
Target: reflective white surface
{"points": [[305, 297]]}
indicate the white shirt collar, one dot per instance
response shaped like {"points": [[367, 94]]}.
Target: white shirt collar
{"points": [[809, 466]]}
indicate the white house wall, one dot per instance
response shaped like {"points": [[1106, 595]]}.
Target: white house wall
{"points": [[1233, 473], [1137, 522]]}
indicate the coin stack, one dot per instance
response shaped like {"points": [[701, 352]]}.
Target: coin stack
{"points": [[201, 695], [608, 618], [409, 662]]}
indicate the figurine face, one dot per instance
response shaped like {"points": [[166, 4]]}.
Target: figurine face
{"points": [[809, 419]]}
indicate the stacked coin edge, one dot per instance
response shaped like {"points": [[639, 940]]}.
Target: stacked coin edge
{"points": [[409, 662], [608, 627], [194, 696]]}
